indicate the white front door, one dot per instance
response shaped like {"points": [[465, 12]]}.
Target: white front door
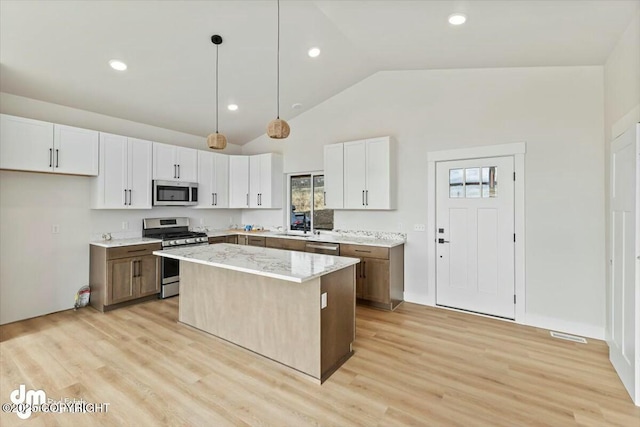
{"points": [[475, 235], [623, 341]]}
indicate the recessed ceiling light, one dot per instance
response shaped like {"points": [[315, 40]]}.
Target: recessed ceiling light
{"points": [[457, 19], [296, 106], [314, 52], [232, 107], [118, 65]]}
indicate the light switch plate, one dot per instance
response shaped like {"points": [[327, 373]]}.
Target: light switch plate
{"points": [[419, 227], [55, 229], [323, 300]]}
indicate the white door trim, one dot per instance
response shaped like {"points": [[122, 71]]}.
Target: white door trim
{"points": [[517, 150]]}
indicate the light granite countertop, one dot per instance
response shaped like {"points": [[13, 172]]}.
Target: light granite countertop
{"points": [[116, 243], [292, 266], [323, 237]]}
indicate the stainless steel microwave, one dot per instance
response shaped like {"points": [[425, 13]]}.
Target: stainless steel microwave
{"points": [[171, 193]]}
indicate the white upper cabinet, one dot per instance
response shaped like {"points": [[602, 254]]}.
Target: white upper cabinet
{"points": [[334, 176], [33, 145], [369, 174], [75, 150], [213, 180], [124, 181], [265, 181], [173, 163], [255, 181], [238, 181]]}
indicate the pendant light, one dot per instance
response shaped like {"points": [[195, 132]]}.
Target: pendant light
{"points": [[217, 141], [278, 128]]}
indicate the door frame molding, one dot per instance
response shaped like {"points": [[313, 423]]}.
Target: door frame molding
{"points": [[517, 150]]}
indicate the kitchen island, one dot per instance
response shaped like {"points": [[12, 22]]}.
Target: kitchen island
{"points": [[296, 308]]}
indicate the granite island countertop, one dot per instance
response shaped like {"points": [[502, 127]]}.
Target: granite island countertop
{"points": [[292, 266]]}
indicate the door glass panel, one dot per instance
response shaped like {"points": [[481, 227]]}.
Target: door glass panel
{"points": [[472, 182], [456, 183], [490, 181]]}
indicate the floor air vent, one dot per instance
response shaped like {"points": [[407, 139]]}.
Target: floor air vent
{"points": [[568, 337]]}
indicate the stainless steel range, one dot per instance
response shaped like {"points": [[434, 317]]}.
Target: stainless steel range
{"points": [[174, 232]]}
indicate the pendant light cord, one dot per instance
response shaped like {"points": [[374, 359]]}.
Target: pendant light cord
{"points": [[278, 67], [216, 88]]}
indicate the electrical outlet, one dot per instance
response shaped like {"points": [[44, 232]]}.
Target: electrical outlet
{"points": [[323, 300], [125, 225], [55, 229], [419, 227], [400, 226]]}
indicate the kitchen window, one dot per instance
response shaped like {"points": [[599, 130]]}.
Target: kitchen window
{"points": [[306, 199]]}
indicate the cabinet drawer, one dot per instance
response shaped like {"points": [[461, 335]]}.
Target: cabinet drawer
{"points": [[220, 239], [364, 251], [133, 250], [255, 241], [289, 244]]}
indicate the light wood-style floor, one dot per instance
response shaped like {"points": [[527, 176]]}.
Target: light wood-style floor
{"points": [[416, 366]]}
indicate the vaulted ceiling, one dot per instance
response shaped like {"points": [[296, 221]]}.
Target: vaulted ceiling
{"points": [[58, 51]]}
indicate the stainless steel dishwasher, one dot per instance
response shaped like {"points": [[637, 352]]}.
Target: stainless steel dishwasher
{"points": [[322, 248]]}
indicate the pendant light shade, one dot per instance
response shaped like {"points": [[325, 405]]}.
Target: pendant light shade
{"points": [[278, 128], [216, 141]]}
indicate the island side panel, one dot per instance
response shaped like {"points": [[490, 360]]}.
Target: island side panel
{"points": [[275, 318], [338, 319]]}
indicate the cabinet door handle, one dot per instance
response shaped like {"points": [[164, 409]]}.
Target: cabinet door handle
{"points": [[364, 271], [57, 157], [362, 197], [324, 198], [125, 197], [360, 250], [178, 171], [367, 197], [213, 199], [247, 199], [130, 198], [216, 198], [50, 157], [175, 171]]}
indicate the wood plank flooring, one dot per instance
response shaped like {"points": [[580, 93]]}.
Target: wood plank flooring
{"points": [[418, 366]]}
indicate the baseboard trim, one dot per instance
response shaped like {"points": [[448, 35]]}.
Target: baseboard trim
{"points": [[421, 299], [566, 326]]}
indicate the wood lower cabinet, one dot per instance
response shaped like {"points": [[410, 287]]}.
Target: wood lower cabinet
{"points": [[231, 239], [219, 239], [380, 274], [289, 244], [123, 274], [256, 241]]}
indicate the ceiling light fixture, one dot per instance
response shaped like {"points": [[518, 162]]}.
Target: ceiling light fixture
{"points": [[457, 19], [117, 65], [278, 128], [314, 52], [232, 107], [216, 141]]}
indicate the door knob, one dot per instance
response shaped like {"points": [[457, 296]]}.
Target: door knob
{"points": [[442, 241]]}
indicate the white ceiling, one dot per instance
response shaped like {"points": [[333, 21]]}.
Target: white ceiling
{"points": [[57, 51]]}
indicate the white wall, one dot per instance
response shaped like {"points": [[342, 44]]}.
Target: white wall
{"points": [[40, 272], [622, 108], [557, 111]]}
